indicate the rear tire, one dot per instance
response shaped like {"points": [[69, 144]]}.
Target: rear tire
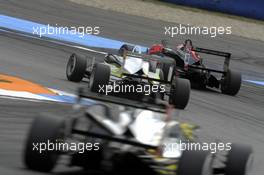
{"points": [[76, 68], [194, 163], [44, 128], [99, 77], [180, 93], [239, 160], [231, 83]]}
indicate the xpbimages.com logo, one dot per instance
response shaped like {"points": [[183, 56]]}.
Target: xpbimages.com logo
{"points": [[80, 31], [129, 88], [196, 146], [60, 146], [211, 31]]}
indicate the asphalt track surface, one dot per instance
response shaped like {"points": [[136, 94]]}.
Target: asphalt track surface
{"points": [[235, 119]]}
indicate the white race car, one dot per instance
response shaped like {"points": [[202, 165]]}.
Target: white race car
{"points": [[134, 141], [139, 76]]}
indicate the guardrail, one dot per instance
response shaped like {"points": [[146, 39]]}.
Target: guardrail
{"points": [[247, 8]]}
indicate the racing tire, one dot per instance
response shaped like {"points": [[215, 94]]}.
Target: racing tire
{"points": [[180, 93], [195, 163], [45, 128], [231, 83], [239, 160], [100, 77], [76, 68]]}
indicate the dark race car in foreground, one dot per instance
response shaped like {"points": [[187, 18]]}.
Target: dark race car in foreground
{"points": [[190, 65], [132, 142], [131, 75]]}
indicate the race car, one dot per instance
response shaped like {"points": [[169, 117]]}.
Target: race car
{"points": [[131, 74], [190, 66], [133, 142]]}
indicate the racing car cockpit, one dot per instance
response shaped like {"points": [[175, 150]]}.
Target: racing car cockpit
{"points": [[184, 54]]}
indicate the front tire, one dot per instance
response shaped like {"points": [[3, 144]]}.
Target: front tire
{"points": [[180, 93], [76, 68]]}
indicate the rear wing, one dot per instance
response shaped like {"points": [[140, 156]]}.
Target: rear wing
{"points": [[226, 55], [144, 57], [139, 55], [133, 54]]}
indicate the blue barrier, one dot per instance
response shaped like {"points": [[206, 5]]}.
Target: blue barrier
{"points": [[87, 40], [247, 8]]}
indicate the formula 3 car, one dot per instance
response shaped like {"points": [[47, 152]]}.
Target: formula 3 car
{"points": [[190, 66], [135, 75], [129, 143]]}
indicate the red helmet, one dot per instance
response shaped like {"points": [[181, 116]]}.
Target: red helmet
{"points": [[156, 48]]}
